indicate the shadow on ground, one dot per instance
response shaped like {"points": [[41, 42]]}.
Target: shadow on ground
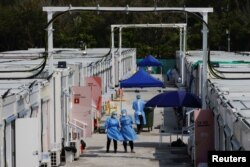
{"points": [[167, 155], [173, 156]]}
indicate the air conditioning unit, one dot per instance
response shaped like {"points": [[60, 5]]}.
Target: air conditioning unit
{"points": [[45, 165], [55, 158], [45, 160], [76, 144]]}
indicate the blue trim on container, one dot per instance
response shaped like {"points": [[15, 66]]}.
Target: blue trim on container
{"points": [[10, 118]]}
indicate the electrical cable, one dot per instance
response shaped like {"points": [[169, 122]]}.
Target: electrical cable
{"points": [[18, 60], [40, 68], [21, 71], [232, 72], [212, 70], [31, 111], [29, 70]]}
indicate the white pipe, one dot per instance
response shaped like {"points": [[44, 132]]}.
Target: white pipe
{"points": [[82, 123], [67, 120]]}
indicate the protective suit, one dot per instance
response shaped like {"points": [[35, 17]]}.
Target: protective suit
{"points": [[127, 130], [113, 131], [138, 106], [112, 127]]}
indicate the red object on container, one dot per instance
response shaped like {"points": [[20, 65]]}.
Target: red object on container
{"points": [[82, 111], [76, 100], [81, 148], [204, 135]]}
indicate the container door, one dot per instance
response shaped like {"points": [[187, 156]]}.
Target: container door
{"points": [[27, 142]]}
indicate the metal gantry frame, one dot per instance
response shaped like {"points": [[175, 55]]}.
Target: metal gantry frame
{"points": [[203, 11], [181, 26]]}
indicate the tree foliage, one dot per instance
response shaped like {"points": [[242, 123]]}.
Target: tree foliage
{"points": [[22, 25]]}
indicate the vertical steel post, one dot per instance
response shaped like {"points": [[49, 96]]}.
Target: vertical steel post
{"points": [[204, 48], [134, 62], [112, 58], [50, 42], [183, 55], [52, 82], [120, 54]]}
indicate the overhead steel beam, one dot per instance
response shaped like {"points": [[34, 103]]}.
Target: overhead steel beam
{"points": [[203, 11], [171, 25], [128, 9], [181, 26]]}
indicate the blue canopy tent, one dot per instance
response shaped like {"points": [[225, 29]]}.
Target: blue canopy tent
{"points": [[149, 61], [175, 99], [141, 79]]}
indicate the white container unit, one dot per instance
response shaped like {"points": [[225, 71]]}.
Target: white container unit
{"points": [[242, 131], [68, 78], [58, 91], [218, 121], [217, 105], [230, 101], [245, 133], [60, 85], [46, 103], [223, 130], [46, 127], [20, 105], [228, 61], [98, 63], [6, 130], [77, 69]]}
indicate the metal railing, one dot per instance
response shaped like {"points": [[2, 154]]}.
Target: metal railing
{"points": [[77, 126]]}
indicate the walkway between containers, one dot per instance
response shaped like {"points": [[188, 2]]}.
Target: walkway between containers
{"points": [[149, 152]]}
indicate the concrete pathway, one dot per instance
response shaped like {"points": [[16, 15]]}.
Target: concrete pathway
{"points": [[149, 152]]}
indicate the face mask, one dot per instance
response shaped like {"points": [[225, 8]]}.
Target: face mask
{"points": [[124, 114]]}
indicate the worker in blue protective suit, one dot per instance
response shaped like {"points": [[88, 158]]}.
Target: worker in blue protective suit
{"points": [[127, 131], [140, 119], [169, 75], [113, 131]]}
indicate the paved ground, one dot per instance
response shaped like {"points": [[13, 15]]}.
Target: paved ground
{"points": [[149, 152]]}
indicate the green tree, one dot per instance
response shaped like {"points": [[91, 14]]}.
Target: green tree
{"points": [[22, 25]]}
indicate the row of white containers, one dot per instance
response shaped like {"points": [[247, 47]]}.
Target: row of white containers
{"points": [[228, 99], [35, 114]]}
